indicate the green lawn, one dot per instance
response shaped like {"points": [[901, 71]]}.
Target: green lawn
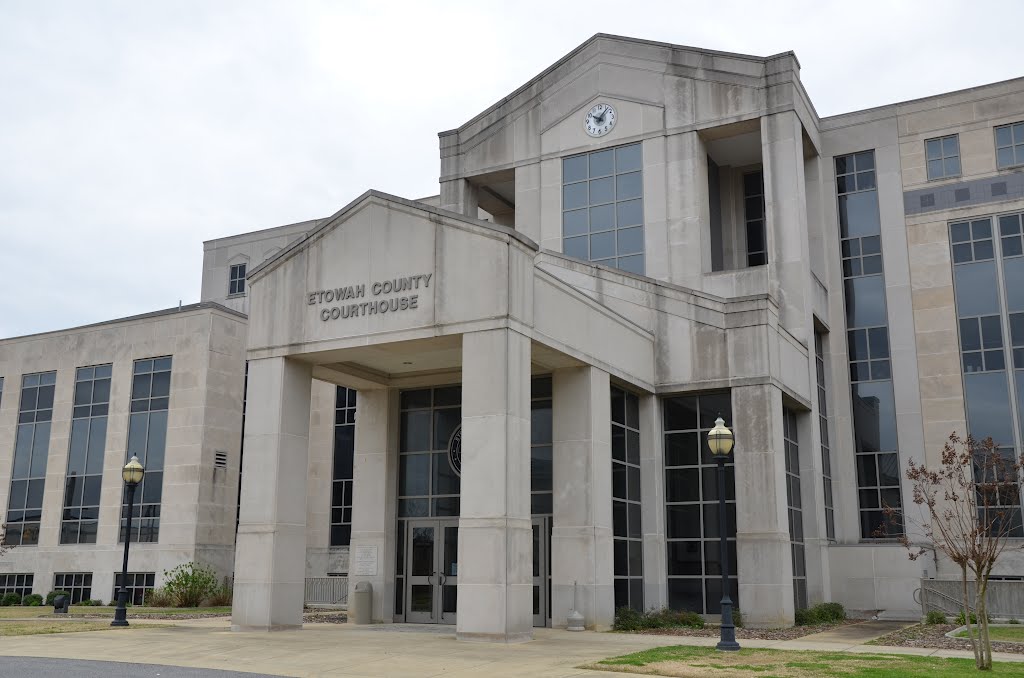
{"points": [[24, 612], [706, 662], [1011, 634]]}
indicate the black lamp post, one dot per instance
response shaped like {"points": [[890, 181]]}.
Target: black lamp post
{"points": [[132, 474], [720, 441]]}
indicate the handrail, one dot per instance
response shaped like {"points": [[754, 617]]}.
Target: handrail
{"points": [[959, 603]]}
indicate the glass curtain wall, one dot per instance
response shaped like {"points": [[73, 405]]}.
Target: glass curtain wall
{"points": [[541, 482], [753, 216], [85, 455], [341, 469], [826, 448], [867, 338], [626, 525], [147, 439], [794, 505], [31, 447], [992, 333], [691, 504]]}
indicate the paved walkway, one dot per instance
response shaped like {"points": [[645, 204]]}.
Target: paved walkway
{"points": [[392, 650]]}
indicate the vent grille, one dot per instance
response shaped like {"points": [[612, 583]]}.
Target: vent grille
{"points": [[962, 194], [928, 200], [999, 188], [220, 459]]}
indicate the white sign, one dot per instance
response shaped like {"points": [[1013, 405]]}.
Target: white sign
{"points": [[364, 561]]}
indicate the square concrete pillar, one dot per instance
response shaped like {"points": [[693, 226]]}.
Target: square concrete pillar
{"points": [[581, 536], [374, 500], [764, 559], [271, 548], [652, 498], [495, 590]]}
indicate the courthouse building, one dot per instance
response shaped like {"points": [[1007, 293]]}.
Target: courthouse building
{"points": [[492, 404]]}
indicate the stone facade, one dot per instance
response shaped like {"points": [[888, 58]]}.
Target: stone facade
{"points": [[474, 287]]}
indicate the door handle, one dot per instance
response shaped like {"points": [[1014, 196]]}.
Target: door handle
{"points": [[444, 578]]}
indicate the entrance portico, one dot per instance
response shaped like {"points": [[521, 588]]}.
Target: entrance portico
{"points": [[388, 296]]}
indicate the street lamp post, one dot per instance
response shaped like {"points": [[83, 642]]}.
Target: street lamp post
{"points": [[132, 474], [720, 441]]}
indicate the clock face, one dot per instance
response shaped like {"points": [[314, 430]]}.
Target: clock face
{"points": [[600, 120]]}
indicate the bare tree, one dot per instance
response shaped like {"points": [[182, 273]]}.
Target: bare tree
{"points": [[4, 547], [973, 507]]}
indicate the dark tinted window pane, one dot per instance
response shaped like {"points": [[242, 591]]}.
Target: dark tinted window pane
{"points": [[574, 222], [682, 449], [602, 163], [680, 413], [574, 196], [576, 247], [684, 557], [686, 594], [683, 522], [602, 218], [628, 158], [574, 169], [414, 474], [874, 414], [988, 407], [682, 485], [858, 214], [865, 302], [1013, 271]]}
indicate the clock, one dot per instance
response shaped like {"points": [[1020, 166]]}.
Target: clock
{"points": [[600, 120]]}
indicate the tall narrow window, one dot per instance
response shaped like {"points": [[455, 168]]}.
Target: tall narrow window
{"points": [[541, 479], [31, 447], [626, 524], [867, 338], [691, 504], [602, 207], [988, 276], [753, 217], [826, 448], [85, 455], [341, 475], [795, 507], [236, 279], [147, 439]]}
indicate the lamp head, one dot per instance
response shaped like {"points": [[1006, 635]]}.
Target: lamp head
{"points": [[133, 471], [720, 439]]}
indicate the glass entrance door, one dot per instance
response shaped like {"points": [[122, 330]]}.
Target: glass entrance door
{"points": [[432, 571]]}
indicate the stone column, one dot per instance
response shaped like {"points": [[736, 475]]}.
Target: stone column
{"points": [[581, 537], [495, 531], [271, 547], [785, 205], [373, 501], [652, 496], [764, 560], [458, 195]]}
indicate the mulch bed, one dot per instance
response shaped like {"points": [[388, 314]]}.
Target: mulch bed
{"points": [[749, 634], [934, 636], [324, 617]]}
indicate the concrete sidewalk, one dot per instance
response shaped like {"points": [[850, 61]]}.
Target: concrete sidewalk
{"points": [[389, 650]]}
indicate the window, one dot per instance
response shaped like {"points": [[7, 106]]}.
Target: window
{"points": [[626, 524], [85, 455], [988, 275], [795, 508], [691, 504], [753, 216], [78, 584], [236, 279], [826, 449], [943, 157], [147, 439], [867, 338], [541, 478], [341, 478], [139, 584], [1010, 145], [602, 207], [20, 583], [31, 447]]}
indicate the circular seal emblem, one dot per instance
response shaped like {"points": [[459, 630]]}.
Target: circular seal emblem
{"points": [[455, 451]]}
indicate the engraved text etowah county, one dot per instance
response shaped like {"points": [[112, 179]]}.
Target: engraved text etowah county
{"points": [[360, 306]]}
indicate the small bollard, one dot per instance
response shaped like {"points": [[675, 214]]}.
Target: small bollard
{"points": [[61, 604]]}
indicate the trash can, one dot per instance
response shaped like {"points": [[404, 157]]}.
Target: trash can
{"points": [[361, 604], [61, 603]]}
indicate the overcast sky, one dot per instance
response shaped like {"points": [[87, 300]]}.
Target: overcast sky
{"points": [[130, 132]]}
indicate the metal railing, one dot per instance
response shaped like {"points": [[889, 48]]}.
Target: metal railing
{"points": [[326, 591], [1004, 599]]}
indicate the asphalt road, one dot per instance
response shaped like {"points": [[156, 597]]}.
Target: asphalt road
{"points": [[38, 667]]}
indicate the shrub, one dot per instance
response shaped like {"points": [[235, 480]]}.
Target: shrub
{"points": [[628, 619], [822, 613], [737, 618], [1014, 621], [935, 617], [961, 620], [32, 600], [10, 599], [222, 596], [158, 598], [92, 602], [190, 584], [53, 594]]}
